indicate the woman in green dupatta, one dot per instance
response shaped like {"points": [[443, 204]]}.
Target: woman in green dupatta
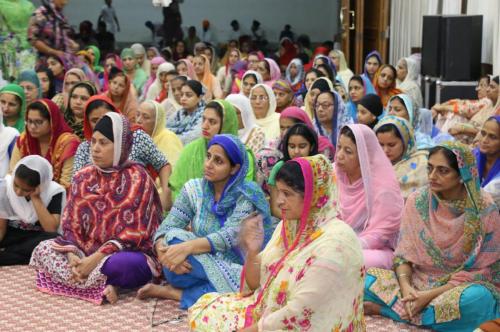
{"points": [[134, 72], [13, 104], [219, 117], [95, 53], [29, 81]]}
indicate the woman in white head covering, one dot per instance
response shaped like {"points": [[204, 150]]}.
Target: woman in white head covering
{"points": [[263, 103], [8, 137], [160, 82], [140, 55], [30, 208], [249, 131], [407, 75]]}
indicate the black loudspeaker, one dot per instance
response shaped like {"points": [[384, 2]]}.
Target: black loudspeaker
{"points": [[451, 47], [431, 46], [461, 38]]}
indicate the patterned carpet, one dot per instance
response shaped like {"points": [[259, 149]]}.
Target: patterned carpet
{"points": [[23, 308]]}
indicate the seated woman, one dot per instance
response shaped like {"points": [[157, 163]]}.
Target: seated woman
{"points": [[488, 157], [8, 138], [384, 83], [30, 207], [373, 61], [370, 108], [408, 70], [173, 102], [321, 84], [219, 117], [269, 70], [143, 149], [186, 122], [48, 135], [369, 196], [122, 93], [298, 141], [74, 111], [29, 81], [46, 79], [285, 97], [72, 76], [445, 274], [112, 213], [13, 104], [358, 87], [330, 115], [207, 258], [135, 74], [201, 65], [249, 132], [295, 74], [467, 126], [151, 117], [396, 138], [263, 103], [295, 278]]}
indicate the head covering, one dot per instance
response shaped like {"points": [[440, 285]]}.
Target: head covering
{"points": [[81, 77], [391, 90], [329, 63], [118, 64], [237, 185], [166, 141], [274, 71], [8, 134], [373, 205], [289, 53], [97, 58], [155, 50], [373, 104], [481, 162], [63, 143], [128, 104], [13, 207], [157, 87], [255, 74], [247, 117], [87, 130], [16, 90], [127, 53], [375, 54], [323, 84], [413, 71], [447, 239], [190, 67], [297, 113], [319, 208], [154, 61], [270, 123], [340, 118], [297, 80], [208, 78], [138, 49], [119, 126], [411, 169], [367, 89], [413, 118], [75, 124], [191, 161], [31, 76]]}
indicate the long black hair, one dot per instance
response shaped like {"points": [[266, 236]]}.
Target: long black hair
{"points": [[299, 129]]}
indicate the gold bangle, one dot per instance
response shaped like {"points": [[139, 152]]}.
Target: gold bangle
{"points": [[402, 275]]}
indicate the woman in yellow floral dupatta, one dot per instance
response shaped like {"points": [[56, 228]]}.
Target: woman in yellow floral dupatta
{"points": [[293, 283], [446, 268]]}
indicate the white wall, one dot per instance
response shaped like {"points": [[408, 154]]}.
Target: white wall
{"points": [[317, 18]]}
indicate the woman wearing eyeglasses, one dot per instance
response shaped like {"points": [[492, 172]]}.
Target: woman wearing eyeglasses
{"points": [[48, 135], [263, 103]]}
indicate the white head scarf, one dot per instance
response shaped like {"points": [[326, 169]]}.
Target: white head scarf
{"points": [[140, 50], [242, 103], [254, 73], [7, 135], [155, 88], [18, 208], [270, 124]]}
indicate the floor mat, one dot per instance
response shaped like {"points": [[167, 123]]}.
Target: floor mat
{"points": [[23, 308]]}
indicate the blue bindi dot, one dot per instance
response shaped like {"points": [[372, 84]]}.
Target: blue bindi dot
{"points": [[413, 165]]}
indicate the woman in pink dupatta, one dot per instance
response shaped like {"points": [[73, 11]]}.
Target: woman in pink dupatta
{"points": [[112, 212], [369, 195]]}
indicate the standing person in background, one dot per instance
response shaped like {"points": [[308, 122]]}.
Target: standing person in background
{"points": [[108, 16], [49, 31], [105, 39], [191, 39], [206, 34]]}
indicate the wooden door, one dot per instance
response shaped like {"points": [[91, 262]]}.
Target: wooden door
{"points": [[376, 27], [352, 22]]}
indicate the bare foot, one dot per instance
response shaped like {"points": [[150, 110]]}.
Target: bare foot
{"points": [[159, 291], [111, 294], [371, 308]]}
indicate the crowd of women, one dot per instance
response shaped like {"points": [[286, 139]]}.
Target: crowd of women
{"points": [[262, 193]]}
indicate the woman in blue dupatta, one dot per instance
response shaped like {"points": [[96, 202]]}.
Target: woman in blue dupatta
{"points": [[488, 157], [207, 257], [358, 87]]}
